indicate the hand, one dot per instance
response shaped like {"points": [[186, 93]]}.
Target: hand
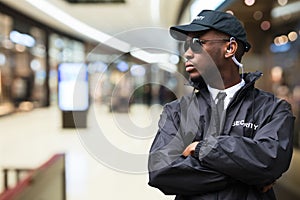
{"points": [[190, 149], [267, 187]]}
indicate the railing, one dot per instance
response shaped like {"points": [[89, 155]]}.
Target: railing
{"points": [[8, 172], [47, 182]]}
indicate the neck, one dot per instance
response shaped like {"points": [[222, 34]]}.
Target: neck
{"points": [[231, 83], [229, 79]]}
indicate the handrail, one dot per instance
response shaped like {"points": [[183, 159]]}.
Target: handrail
{"points": [[17, 171], [25, 189]]}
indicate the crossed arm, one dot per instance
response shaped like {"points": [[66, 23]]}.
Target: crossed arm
{"points": [[190, 150], [174, 169]]}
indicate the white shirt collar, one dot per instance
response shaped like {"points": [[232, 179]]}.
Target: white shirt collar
{"points": [[229, 91]]}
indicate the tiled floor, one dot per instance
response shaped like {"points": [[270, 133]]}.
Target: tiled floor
{"points": [[28, 139]]}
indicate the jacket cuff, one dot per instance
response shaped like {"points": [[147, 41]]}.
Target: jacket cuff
{"points": [[205, 146], [197, 150]]}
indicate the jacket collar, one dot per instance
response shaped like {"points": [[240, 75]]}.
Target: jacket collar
{"points": [[250, 79]]}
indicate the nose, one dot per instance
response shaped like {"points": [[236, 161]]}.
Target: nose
{"points": [[188, 54]]}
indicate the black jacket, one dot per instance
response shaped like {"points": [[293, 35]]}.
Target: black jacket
{"points": [[253, 150]]}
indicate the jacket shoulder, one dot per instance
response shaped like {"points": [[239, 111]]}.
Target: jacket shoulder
{"points": [[271, 99], [178, 104]]}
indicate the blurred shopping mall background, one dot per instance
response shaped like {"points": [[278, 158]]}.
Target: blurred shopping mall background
{"points": [[71, 69]]}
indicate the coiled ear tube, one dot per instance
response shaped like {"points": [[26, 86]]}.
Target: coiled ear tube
{"points": [[233, 57]]}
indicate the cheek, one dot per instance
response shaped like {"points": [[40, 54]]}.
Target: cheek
{"points": [[216, 57], [205, 61]]}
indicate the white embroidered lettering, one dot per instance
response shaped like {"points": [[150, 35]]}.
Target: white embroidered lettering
{"points": [[244, 124], [199, 17]]}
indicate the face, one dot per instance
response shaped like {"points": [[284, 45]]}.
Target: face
{"points": [[205, 55]]}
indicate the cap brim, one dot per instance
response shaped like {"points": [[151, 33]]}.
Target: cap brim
{"points": [[181, 32]]}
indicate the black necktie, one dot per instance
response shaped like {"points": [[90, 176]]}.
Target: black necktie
{"points": [[219, 108]]}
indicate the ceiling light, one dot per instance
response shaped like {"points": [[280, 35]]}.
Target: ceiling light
{"points": [[122, 66], [137, 70], [90, 32], [20, 48], [150, 57], [22, 38], [249, 2], [7, 44], [79, 26], [265, 25], [258, 15], [288, 9], [281, 40], [293, 36], [282, 2]]}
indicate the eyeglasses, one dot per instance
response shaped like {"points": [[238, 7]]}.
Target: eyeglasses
{"points": [[196, 44]]}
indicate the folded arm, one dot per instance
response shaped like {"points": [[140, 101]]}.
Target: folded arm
{"points": [[173, 173], [255, 161]]}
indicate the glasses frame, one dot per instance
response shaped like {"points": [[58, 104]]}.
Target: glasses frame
{"points": [[196, 44]]}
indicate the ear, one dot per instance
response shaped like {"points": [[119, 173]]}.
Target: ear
{"points": [[231, 49]]}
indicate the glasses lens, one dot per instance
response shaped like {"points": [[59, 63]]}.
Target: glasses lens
{"points": [[186, 45], [194, 44]]}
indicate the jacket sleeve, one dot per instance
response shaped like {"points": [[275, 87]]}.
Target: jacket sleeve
{"points": [[173, 173], [259, 160]]}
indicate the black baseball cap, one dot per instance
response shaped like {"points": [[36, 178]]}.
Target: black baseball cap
{"points": [[211, 19]]}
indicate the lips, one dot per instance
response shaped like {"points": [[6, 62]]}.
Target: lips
{"points": [[189, 67]]}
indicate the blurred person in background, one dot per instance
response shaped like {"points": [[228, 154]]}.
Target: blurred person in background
{"points": [[228, 139]]}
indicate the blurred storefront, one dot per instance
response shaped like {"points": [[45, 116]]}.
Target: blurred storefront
{"points": [[29, 56], [30, 53]]}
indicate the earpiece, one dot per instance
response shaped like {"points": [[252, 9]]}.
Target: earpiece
{"points": [[229, 47]]}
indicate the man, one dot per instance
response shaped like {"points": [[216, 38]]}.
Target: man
{"points": [[233, 145]]}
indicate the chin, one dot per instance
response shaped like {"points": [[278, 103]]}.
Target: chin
{"points": [[195, 78]]}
